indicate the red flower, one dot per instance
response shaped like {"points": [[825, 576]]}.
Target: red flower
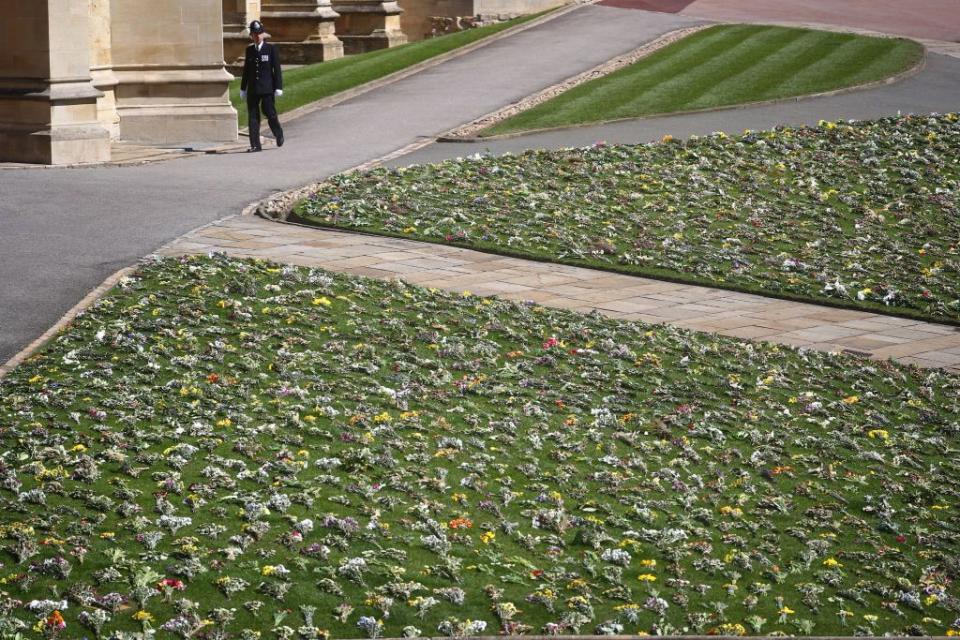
{"points": [[173, 583]]}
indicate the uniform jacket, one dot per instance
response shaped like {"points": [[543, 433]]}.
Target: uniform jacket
{"points": [[261, 70]]}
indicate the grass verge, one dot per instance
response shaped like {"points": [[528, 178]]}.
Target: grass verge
{"points": [[862, 215], [722, 66], [238, 449], [304, 85]]}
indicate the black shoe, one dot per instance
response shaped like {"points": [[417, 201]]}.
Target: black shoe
{"points": [[280, 140], [254, 149]]}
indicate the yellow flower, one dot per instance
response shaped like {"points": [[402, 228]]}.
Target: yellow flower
{"points": [[143, 616], [268, 570], [108, 535], [873, 434], [648, 562], [851, 400], [487, 537], [831, 562], [322, 300], [647, 577], [785, 611], [78, 448], [226, 422]]}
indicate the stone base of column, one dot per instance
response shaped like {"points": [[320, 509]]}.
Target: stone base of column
{"points": [[369, 25], [311, 51], [61, 145], [106, 81], [304, 31], [163, 105], [56, 124]]}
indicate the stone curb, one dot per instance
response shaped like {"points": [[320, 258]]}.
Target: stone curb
{"points": [[65, 320], [903, 75]]}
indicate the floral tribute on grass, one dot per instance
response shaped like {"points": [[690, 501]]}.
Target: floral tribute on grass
{"points": [[225, 449], [862, 214]]}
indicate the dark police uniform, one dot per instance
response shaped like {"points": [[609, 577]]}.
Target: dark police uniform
{"points": [[261, 77]]}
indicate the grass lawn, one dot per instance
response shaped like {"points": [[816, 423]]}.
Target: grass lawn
{"points": [[724, 65], [224, 449], [865, 215], [310, 83]]}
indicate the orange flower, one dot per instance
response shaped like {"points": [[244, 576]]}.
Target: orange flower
{"points": [[56, 621], [460, 523]]}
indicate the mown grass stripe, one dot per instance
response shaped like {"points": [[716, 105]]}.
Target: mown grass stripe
{"points": [[679, 89], [797, 50], [723, 66], [738, 63], [620, 89], [857, 57]]}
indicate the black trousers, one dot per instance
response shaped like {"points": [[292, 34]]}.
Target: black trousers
{"points": [[254, 103]]}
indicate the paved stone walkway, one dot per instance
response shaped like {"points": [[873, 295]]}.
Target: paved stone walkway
{"points": [[618, 296]]}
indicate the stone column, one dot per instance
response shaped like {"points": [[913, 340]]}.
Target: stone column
{"points": [[237, 16], [303, 29], [101, 66], [168, 60], [48, 105], [367, 25]]}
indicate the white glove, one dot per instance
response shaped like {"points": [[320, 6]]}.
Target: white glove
{"points": [[278, 92], [243, 95]]}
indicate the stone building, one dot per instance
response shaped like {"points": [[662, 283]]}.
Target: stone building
{"points": [[78, 73]]}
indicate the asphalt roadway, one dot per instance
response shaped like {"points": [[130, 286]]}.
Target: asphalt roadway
{"points": [[63, 231]]}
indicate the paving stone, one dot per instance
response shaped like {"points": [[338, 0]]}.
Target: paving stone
{"points": [[624, 306], [749, 332], [826, 332]]}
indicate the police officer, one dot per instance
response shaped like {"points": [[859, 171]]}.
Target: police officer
{"points": [[262, 81]]}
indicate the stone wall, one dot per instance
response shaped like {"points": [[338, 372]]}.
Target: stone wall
{"points": [[427, 18], [78, 72], [48, 104], [172, 85]]}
